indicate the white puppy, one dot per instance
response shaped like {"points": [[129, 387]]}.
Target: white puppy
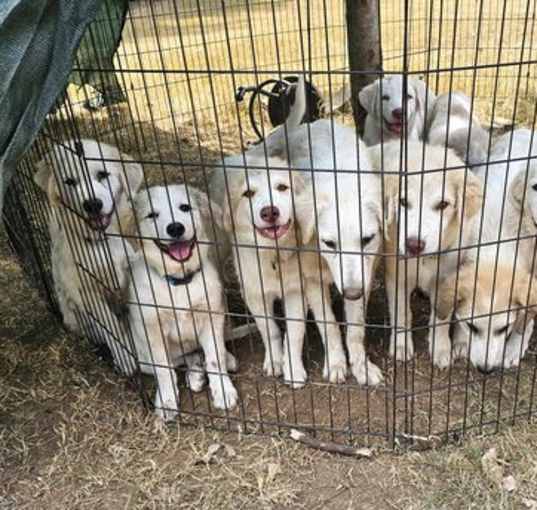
{"points": [[265, 213], [90, 186], [391, 113], [433, 212], [176, 301], [452, 125], [347, 226]]}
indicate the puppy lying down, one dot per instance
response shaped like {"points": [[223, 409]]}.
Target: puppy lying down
{"points": [[91, 207], [176, 301]]}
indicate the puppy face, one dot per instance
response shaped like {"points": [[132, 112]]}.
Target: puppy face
{"points": [[430, 205], [170, 225], [386, 99], [264, 205], [89, 190], [349, 224], [487, 326]]}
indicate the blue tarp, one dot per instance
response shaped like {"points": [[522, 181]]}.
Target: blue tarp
{"points": [[38, 41]]}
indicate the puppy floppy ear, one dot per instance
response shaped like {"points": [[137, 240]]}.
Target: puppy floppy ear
{"points": [[516, 190], [447, 302], [132, 176], [527, 303], [44, 178], [368, 96], [471, 194], [304, 207], [210, 211], [421, 96]]}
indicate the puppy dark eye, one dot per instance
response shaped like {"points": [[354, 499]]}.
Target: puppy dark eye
{"points": [[102, 175], [441, 205], [367, 239], [473, 329], [385, 97], [534, 187], [249, 193], [403, 202], [282, 187], [70, 181], [409, 97], [503, 330], [185, 208], [152, 215], [330, 244]]}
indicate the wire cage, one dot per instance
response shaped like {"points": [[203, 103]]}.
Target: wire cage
{"points": [[181, 66]]}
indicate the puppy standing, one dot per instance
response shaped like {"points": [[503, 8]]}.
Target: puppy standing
{"points": [[385, 104], [492, 325], [452, 125], [176, 301], [432, 209], [91, 205]]}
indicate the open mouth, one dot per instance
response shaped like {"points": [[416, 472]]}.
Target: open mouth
{"points": [[274, 231], [394, 127], [180, 251], [100, 222]]}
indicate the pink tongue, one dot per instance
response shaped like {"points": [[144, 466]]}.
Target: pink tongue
{"points": [[180, 251]]}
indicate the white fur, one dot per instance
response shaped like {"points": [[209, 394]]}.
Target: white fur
{"points": [[428, 207], [89, 266], [168, 321], [384, 97]]}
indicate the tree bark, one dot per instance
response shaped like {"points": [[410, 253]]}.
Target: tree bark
{"points": [[365, 51]]}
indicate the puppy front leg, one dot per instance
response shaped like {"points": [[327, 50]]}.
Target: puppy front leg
{"points": [[335, 362], [439, 342], [294, 373], [270, 333], [401, 344], [365, 371], [212, 341], [195, 374]]}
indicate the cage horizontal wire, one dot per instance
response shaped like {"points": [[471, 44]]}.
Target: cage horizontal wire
{"points": [[368, 282]]}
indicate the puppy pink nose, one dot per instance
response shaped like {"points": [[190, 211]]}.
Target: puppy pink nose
{"points": [[397, 114], [415, 246], [270, 214]]}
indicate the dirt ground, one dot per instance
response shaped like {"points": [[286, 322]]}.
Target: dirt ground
{"points": [[73, 434]]}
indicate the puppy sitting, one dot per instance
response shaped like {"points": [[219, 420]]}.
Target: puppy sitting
{"points": [[386, 106], [452, 125], [432, 213], [264, 215], [90, 186], [176, 302]]}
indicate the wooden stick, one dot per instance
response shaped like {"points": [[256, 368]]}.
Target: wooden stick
{"points": [[327, 446]]}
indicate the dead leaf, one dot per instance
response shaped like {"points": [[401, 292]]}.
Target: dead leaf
{"points": [[272, 471], [529, 503], [491, 468], [230, 451], [509, 483], [209, 456]]}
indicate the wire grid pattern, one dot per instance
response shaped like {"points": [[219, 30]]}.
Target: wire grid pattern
{"points": [[180, 64]]}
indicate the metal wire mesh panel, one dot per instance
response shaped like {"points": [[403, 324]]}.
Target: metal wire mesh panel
{"points": [[374, 290]]}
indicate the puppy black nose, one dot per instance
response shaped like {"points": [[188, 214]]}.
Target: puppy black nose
{"points": [[175, 230], [93, 206], [352, 293], [415, 246], [485, 371], [270, 214], [397, 113]]}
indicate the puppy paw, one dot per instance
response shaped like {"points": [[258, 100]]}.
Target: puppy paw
{"points": [[336, 371], [231, 362], [195, 379], [224, 393], [367, 373], [295, 376], [272, 367], [402, 349], [166, 409], [442, 358]]}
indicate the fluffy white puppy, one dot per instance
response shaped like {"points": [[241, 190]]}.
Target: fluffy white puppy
{"points": [[347, 218], [176, 301], [433, 214], [90, 186], [452, 125], [267, 208], [391, 113]]}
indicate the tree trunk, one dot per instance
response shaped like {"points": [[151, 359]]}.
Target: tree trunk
{"points": [[365, 51]]}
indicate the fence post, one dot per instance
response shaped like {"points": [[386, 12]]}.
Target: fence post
{"points": [[365, 50]]}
